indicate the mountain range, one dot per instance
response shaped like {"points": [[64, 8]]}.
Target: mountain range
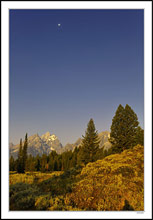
{"points": [[49, 142]]}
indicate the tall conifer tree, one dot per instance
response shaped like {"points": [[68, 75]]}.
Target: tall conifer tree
{"points": [[123, 129], [20, 159], [90, 144], [24, 158], [11, 164], [131, 126]]}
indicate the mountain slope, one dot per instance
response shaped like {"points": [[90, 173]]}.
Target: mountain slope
{"points": [[104, 136], [71, 147], [112, 183], [46, 143], [52, 141], [39, 145]]}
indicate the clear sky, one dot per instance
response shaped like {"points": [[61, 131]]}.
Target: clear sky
{"points": [[63, 75]]}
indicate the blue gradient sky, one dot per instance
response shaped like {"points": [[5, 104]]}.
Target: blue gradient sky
{"points": [[60, 77]]}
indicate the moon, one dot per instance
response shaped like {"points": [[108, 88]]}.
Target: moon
{"points": [[59, 25]]}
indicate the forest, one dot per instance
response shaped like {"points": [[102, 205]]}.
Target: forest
{"points": [[89, 178]]}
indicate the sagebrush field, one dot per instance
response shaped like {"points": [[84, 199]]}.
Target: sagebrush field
{"points": [[111, 184]]}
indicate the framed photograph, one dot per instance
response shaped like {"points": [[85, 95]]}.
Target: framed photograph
{"points": [[76, 82]]}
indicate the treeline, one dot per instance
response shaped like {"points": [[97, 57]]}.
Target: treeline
{"points": [[54, 161], [125, 134]]}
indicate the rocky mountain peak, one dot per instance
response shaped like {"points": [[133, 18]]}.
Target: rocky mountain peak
{"points": [[34, 138], [52, 137], [46, 136], [39, 145]]}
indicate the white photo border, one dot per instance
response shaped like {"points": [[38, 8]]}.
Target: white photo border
{"points": [[147, 6]]}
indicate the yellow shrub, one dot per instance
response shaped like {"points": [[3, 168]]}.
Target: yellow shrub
{"points": [[31, 177], [106, 184]]}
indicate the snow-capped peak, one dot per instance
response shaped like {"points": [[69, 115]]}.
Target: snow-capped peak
{"points": [[52, 137]]}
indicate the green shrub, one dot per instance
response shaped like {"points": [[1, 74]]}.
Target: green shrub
{"points": [[22, 196], [42, 202]]}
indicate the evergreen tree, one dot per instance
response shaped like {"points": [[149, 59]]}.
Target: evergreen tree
{"points": [[22, 156], [25, 151], [139, 138], [12, 164], [55, 165], [30, 163], [73, 161], [20, 168], [100, 153], [43, 162], [131, 126], [37, 163], [51, 164], [117, 129], [123, 129], [59, 164], [90, 144]]}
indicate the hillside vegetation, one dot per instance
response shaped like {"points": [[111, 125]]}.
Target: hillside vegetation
{"points": [[107, 184], [111, 184]]}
